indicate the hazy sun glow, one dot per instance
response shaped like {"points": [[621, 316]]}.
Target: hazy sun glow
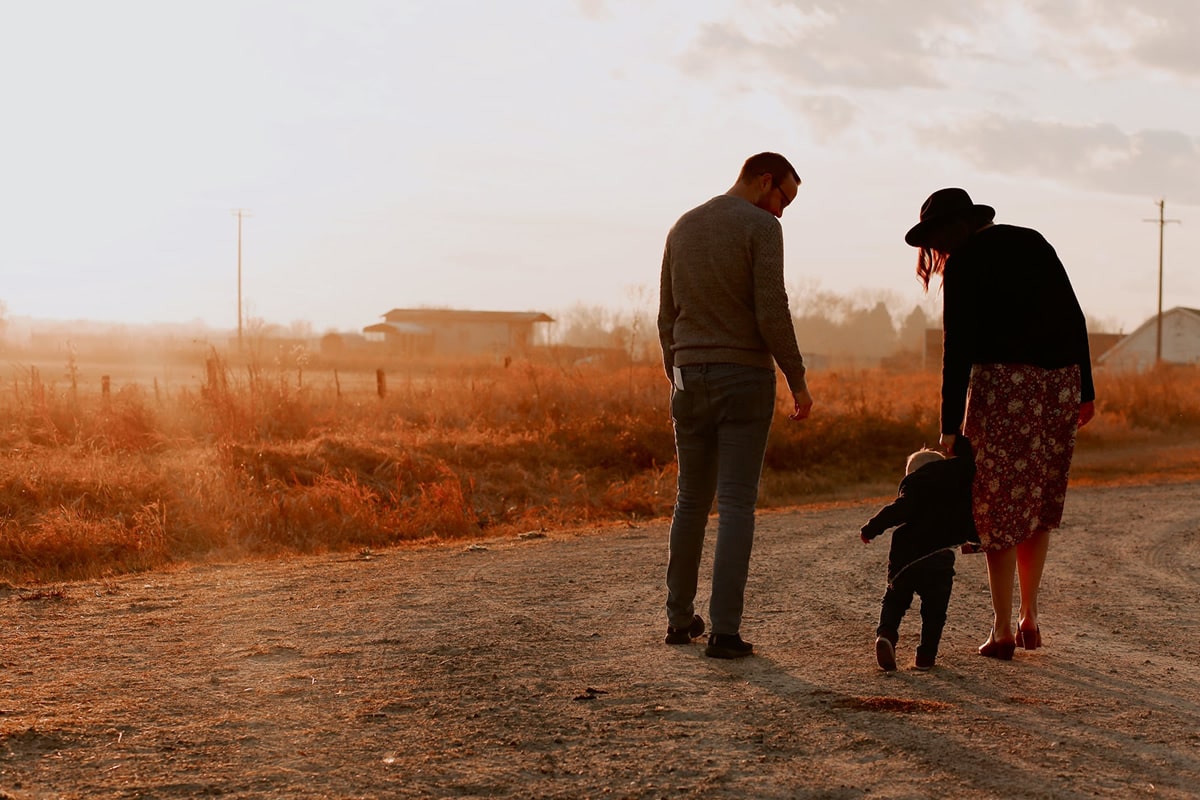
{"points": [[532, 155]]}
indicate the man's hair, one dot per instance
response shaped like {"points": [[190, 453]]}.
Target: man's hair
{"points": [[921, 458], [776, 165]]}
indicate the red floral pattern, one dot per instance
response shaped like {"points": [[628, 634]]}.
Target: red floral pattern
{"points": [[1022, 421]]}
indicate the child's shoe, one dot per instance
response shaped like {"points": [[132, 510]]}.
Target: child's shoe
{"points": [[885, 654], [924, 662]]}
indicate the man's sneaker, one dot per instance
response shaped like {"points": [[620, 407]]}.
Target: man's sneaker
{"points": [[685, 635], [885, 654], [924, 662], [727, 645]]}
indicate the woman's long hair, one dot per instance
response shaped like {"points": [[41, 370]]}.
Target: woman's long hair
{"points": [[929, 262]]}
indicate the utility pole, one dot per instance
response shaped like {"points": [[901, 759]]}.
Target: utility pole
{"points": [[239, 213], [1162, 223]]}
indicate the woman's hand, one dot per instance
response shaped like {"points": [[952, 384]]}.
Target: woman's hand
{"points": [[946, 440], [1086, 412]]}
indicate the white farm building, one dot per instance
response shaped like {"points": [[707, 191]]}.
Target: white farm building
{"points": [[1180, 342]]}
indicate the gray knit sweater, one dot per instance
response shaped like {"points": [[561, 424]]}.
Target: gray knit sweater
{"points": [[722, 297]]}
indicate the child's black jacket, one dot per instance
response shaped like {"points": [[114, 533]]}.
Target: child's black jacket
{"points": [[932, 510]]}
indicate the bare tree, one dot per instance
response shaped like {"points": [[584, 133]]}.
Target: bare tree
{"points": [[911, 337], [588, 326]]}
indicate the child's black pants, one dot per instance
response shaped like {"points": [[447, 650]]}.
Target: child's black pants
{"points": [[931, 579]]}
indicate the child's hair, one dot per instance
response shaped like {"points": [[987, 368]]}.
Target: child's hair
{"points": [[921, 458]]}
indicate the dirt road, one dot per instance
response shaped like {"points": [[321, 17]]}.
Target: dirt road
{"points": [[535, 668]]}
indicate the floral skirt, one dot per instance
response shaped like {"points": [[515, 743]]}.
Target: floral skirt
{"points": [[1022, 422]]}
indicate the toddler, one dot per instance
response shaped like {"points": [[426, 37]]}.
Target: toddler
{"points": [[933, 512]]}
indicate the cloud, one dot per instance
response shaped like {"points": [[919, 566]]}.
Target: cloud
{"points": [[829, 116], [594, 9], [1097, 157], [1113, 34], [846, 43], [819, 58], [873, 44]]}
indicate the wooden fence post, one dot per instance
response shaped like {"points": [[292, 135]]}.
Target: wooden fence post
{"points": [[380, 382]]}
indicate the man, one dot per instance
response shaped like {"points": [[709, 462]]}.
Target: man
{"points": [[724, 323]]}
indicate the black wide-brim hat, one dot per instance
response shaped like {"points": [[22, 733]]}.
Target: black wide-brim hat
{"points": [[947, 205]]}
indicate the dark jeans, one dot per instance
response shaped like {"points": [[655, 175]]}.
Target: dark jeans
{"points": [[722, 417], [931, 579]]}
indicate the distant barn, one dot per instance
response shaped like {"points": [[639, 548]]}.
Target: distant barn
{"points": [[443, 331], [1180, 342]]}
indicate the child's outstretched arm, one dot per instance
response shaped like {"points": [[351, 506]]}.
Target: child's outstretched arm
{"points": [[894, 513]]}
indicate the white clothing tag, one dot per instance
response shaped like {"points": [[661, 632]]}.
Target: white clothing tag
{"points": [[678, 373]]}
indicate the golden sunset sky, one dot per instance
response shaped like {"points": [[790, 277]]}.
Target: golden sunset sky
{"points": [[531, 154]]}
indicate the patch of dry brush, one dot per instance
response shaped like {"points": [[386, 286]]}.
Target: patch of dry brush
{"points": [[251, 464]]}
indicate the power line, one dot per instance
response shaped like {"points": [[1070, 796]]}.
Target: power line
{"points": [[1162, 223]]}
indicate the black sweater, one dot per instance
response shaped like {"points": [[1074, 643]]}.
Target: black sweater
{"points": [[1007, 300], [932, 510]]}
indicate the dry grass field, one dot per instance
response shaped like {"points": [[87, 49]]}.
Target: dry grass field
{"points": [[224, 462]]}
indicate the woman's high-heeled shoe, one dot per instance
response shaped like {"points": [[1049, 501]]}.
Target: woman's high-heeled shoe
{"points": [[1029, 638], [999, 650]]}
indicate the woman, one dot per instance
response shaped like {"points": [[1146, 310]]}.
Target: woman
{"points": [[1016, 379]]}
